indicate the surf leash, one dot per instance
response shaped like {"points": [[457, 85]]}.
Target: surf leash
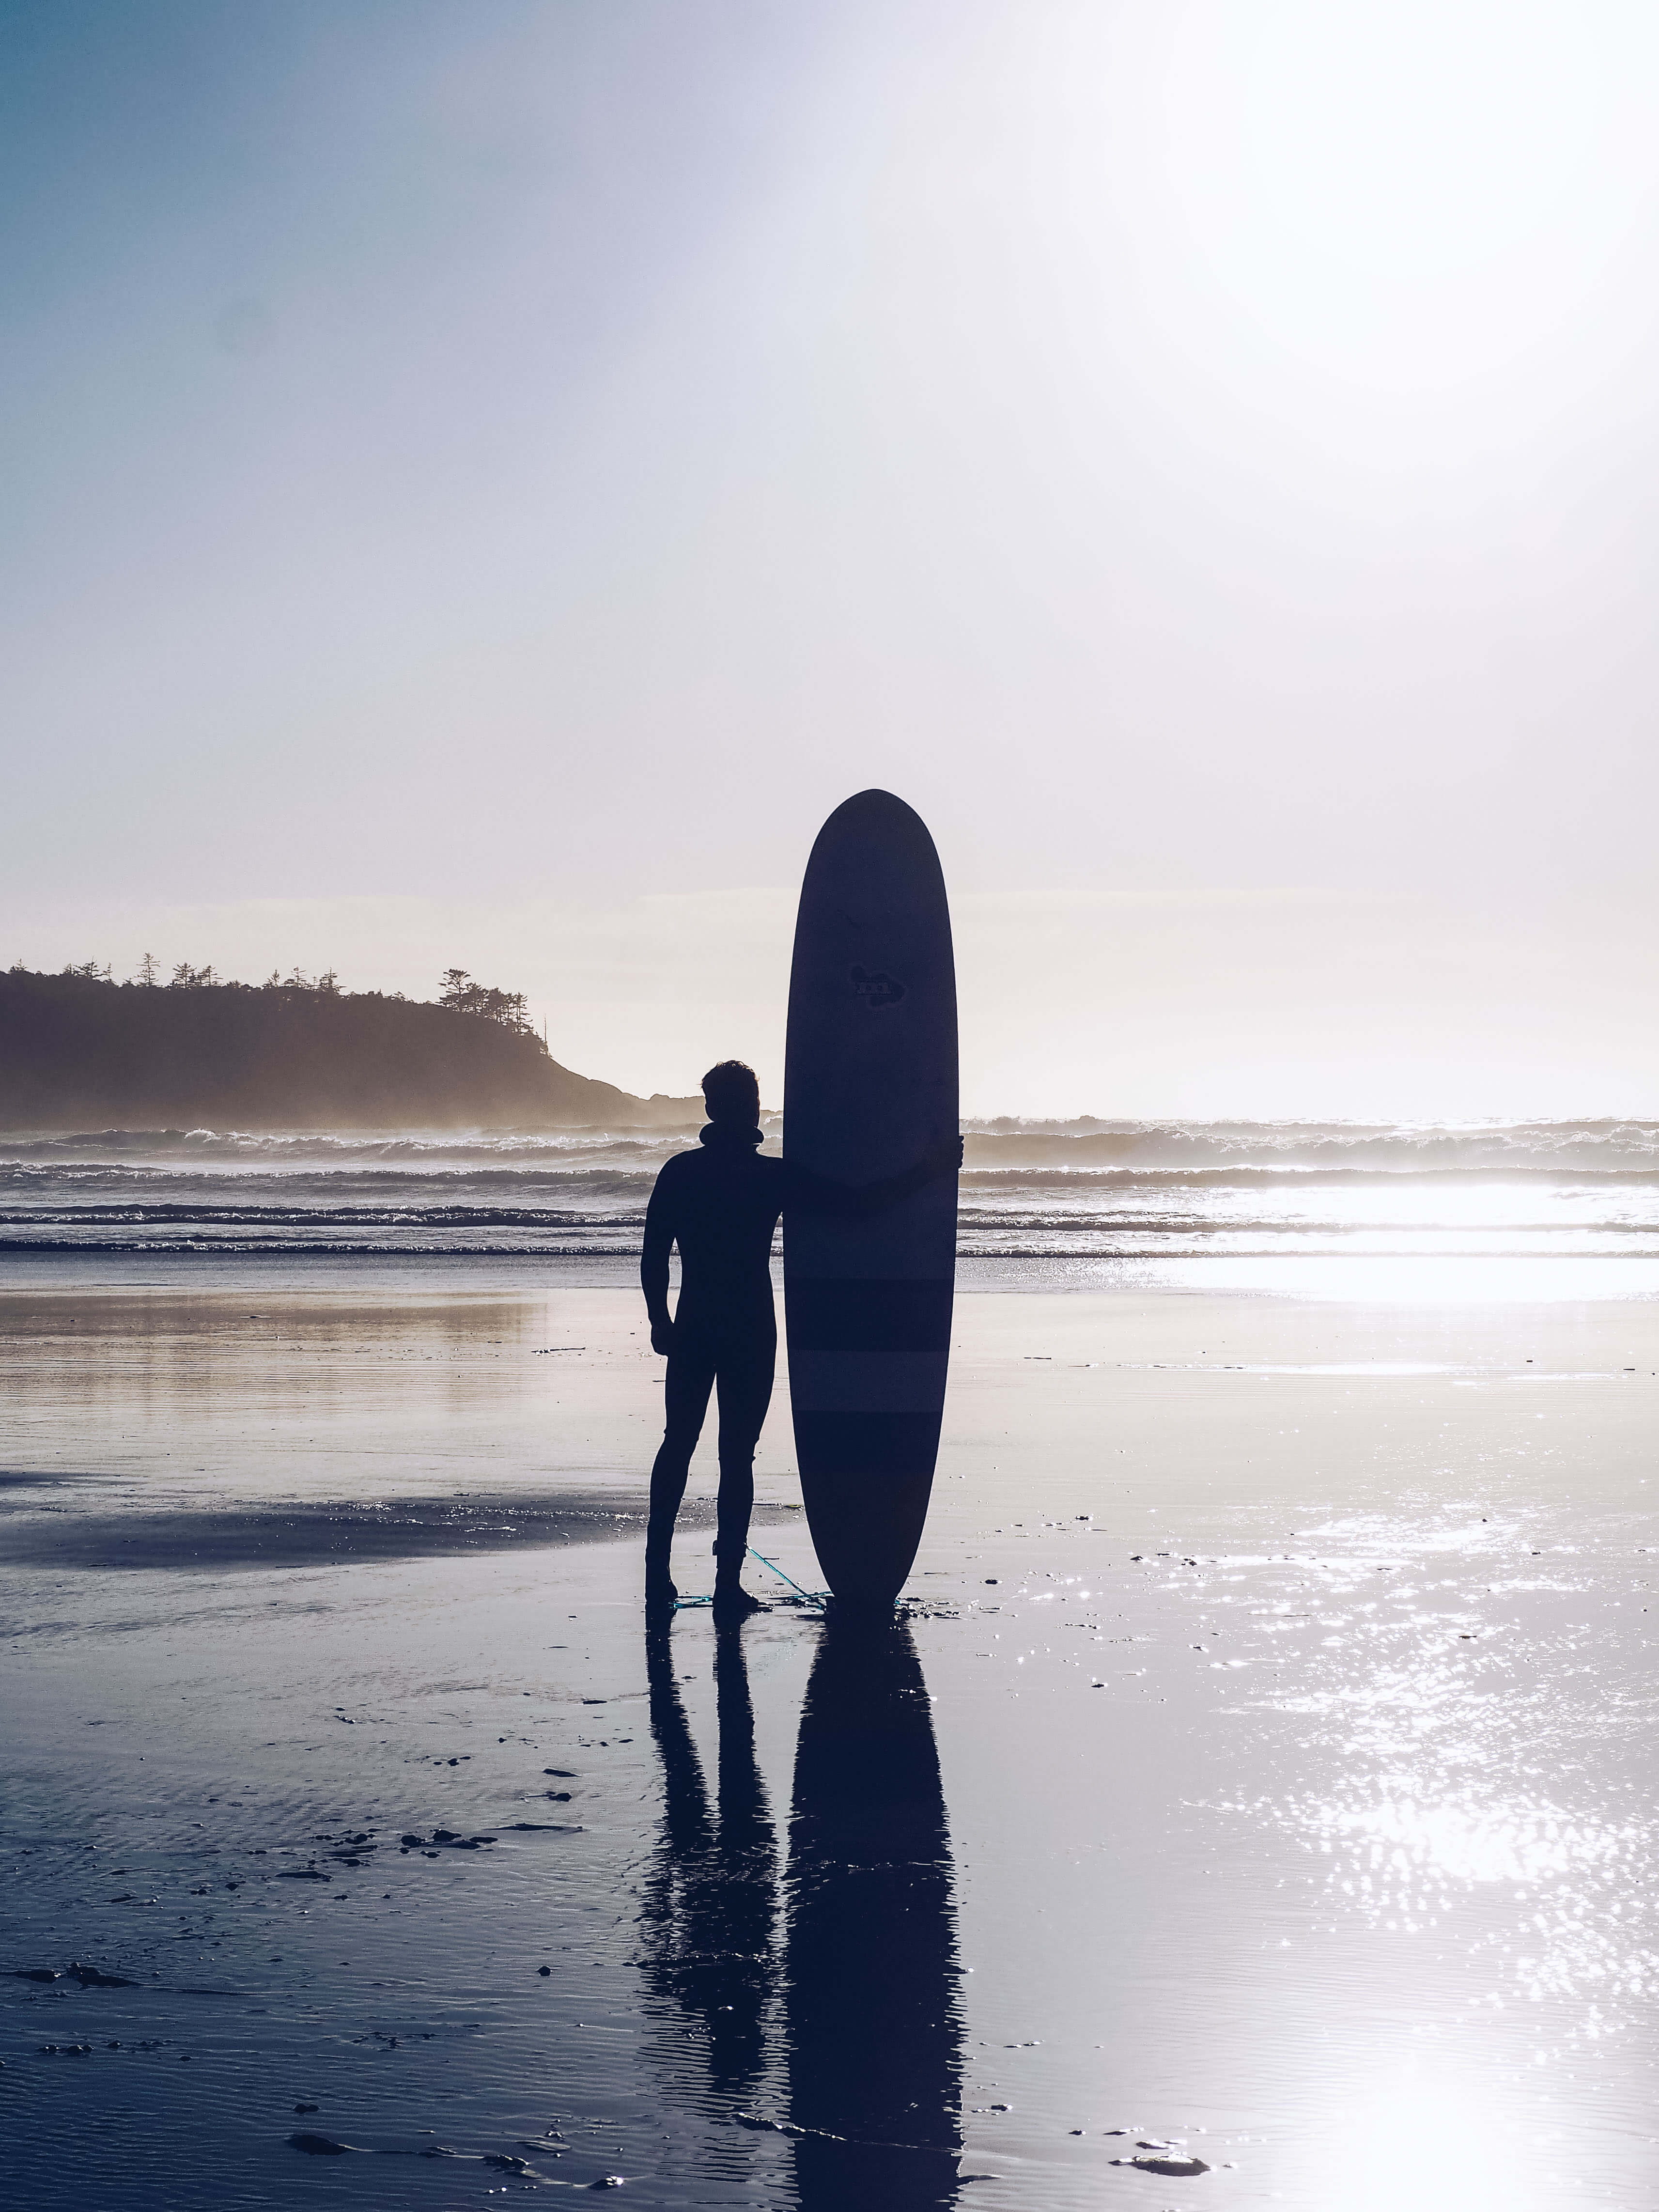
{"points": [[812, 1597], [801, 1597]]}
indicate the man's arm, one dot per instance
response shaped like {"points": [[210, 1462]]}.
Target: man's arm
{"points": [[654, 1264], [815, 1193]]}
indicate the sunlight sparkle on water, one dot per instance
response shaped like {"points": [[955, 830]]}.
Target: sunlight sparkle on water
{"points": [[1400, 1842]]}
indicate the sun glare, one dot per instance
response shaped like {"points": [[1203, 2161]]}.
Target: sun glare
{"points": [[1429, 2140], [1408, 194]]}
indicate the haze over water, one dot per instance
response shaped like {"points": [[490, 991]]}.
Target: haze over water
{"points": [[1035, 1195]]}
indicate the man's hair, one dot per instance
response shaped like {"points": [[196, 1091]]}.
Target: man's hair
{"points": [[731, 1093]]}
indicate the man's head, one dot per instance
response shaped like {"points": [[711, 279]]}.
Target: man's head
{"points": [[732, 1095]]}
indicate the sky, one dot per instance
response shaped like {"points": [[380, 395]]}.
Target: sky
{"points": [[484, 481]]}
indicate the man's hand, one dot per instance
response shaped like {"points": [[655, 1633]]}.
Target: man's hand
{"points": [[662, 1336], [944, 1155]]}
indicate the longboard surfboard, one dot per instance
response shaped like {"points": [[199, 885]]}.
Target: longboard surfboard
{"points": [[870, 1082]]}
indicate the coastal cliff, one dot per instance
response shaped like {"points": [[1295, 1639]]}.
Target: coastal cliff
{"points": [[80, 1052]]}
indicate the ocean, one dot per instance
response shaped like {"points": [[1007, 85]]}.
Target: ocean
{"points": [[1035, 1197]]}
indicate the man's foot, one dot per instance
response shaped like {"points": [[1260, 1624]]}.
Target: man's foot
{"points": [[660, 1595], [734, 1602]]}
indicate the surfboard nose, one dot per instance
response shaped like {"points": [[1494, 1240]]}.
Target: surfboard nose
{"points": [[874, 839]]}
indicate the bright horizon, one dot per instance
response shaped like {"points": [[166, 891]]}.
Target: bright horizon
{"points": [[487, 483]]}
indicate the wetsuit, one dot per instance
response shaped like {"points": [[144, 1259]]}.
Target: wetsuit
{"points": [[721, 1205]]}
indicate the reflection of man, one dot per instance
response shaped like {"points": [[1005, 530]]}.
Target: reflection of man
{"points": [[710, 1903], [720, 1205]]}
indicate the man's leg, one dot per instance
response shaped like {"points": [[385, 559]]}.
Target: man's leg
{"points": [[685, 1401], [745, 1392]]}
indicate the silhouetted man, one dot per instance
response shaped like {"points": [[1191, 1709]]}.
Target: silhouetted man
{"points": [[720, 1205]]}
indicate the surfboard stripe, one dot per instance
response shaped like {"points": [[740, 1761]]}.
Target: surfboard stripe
{"points": [[829, 1316], [865, 1443], [868, 1382]]}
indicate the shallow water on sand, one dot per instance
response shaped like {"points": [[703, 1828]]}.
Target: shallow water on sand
{"points": [[1265, 1770]]}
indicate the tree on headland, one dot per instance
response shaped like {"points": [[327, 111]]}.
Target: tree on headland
{"points": [[460, 994], [80, 1052], [463, 996]]}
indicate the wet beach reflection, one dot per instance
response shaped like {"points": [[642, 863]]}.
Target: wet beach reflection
{"points": [[875, 2041], [709, 1911], [856, 2013]]}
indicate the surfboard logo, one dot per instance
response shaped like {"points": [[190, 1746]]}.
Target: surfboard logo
{"points": [[878, 990]]}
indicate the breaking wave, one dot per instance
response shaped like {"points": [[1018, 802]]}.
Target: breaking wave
{"points": [[1030, 1189]]}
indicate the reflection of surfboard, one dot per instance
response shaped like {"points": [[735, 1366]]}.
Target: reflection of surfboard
{"points": [[872, 1979], [870, 1081]]}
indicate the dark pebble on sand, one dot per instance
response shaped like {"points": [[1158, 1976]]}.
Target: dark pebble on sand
{"points": [[90, 1977]]}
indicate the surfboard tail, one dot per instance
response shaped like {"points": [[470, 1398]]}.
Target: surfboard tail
{"points": [[866, 1529]]}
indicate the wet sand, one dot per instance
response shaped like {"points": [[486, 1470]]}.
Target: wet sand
{"points": [[1265, 1769]]}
